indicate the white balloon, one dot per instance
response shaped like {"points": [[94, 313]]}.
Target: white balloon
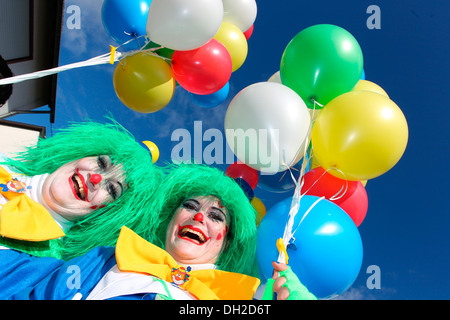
{"points": [[184, 25], [266, 126], [275, 77], [241, 13]]}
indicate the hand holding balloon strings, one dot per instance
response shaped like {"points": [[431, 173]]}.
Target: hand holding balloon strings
{"points": [[284, 284], [289, 287]]}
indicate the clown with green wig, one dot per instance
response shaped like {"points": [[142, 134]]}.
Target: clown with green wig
{"points": [[199, 243], [74, 191]]}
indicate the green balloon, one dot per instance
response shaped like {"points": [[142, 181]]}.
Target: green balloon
{"points": [[162, 52], [320, 63]]}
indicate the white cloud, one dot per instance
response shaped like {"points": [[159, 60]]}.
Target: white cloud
{"points": [[363, 293], [91, 35]]}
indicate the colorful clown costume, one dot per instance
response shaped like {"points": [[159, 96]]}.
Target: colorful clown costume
{"points": [[135, 269]]}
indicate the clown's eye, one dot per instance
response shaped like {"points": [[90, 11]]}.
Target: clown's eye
{"points": [[102, 162], [191, 205], [217, 215], [112, 190]]}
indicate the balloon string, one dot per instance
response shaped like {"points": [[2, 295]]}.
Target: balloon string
{"points": [[295, 204], [306, 213], [336, 196], [306, 159], [122, 61], [131, 40], [152, 53], [317, 103], [288, 236], [317, 180], [307, 141], [102, 59], [99, 60]]}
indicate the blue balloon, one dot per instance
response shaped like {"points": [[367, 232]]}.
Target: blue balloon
{"points": [[363, 75], [326, 252], [211, 100], [126, 20]]}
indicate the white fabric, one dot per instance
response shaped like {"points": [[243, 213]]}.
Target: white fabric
{"points": [[117, 283]]}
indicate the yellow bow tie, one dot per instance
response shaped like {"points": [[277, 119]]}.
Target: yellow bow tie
{"points": [[135, 254], [21, 217]]}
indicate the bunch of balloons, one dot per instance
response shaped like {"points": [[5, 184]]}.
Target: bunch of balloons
{"points": [[318, 107], [196, 44]]}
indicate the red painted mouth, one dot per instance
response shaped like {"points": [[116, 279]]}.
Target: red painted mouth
{"points": [[78, 186], [192, 234]]}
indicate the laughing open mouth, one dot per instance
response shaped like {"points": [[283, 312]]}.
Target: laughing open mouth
{"points": [[192, 234], [78, 185]]}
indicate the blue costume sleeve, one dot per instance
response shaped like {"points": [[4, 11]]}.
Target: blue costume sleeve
{"points": [[52, 279], [19, 270]]}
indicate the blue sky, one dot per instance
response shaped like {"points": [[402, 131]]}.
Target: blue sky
{"points": [[405, 232]]}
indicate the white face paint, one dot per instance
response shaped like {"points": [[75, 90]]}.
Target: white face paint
{"points": [[197, 231], [79, 187]]}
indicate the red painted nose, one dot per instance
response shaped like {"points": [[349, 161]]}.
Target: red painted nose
{"points": [[198, 217], [95, 178]]}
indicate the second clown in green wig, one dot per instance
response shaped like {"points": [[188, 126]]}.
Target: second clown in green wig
{"points": [[186, 181]]}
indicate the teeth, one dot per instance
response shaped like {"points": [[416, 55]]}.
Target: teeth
{"points": [[81, 191], [186, 231]]}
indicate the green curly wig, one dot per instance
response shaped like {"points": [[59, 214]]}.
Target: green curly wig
{"points": [[185, 181], [102, 227]]}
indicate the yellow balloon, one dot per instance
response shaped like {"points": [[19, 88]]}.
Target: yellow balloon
{"points": [[154, 151], [314, 162], [314, 113], [260, 208], [362, 134], [144, 83], [365, 85], [235, 42]]}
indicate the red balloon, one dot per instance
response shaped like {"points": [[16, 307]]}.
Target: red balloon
{"points": [[354, 201], [248, 33], [241, 170], [204, 70]]}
